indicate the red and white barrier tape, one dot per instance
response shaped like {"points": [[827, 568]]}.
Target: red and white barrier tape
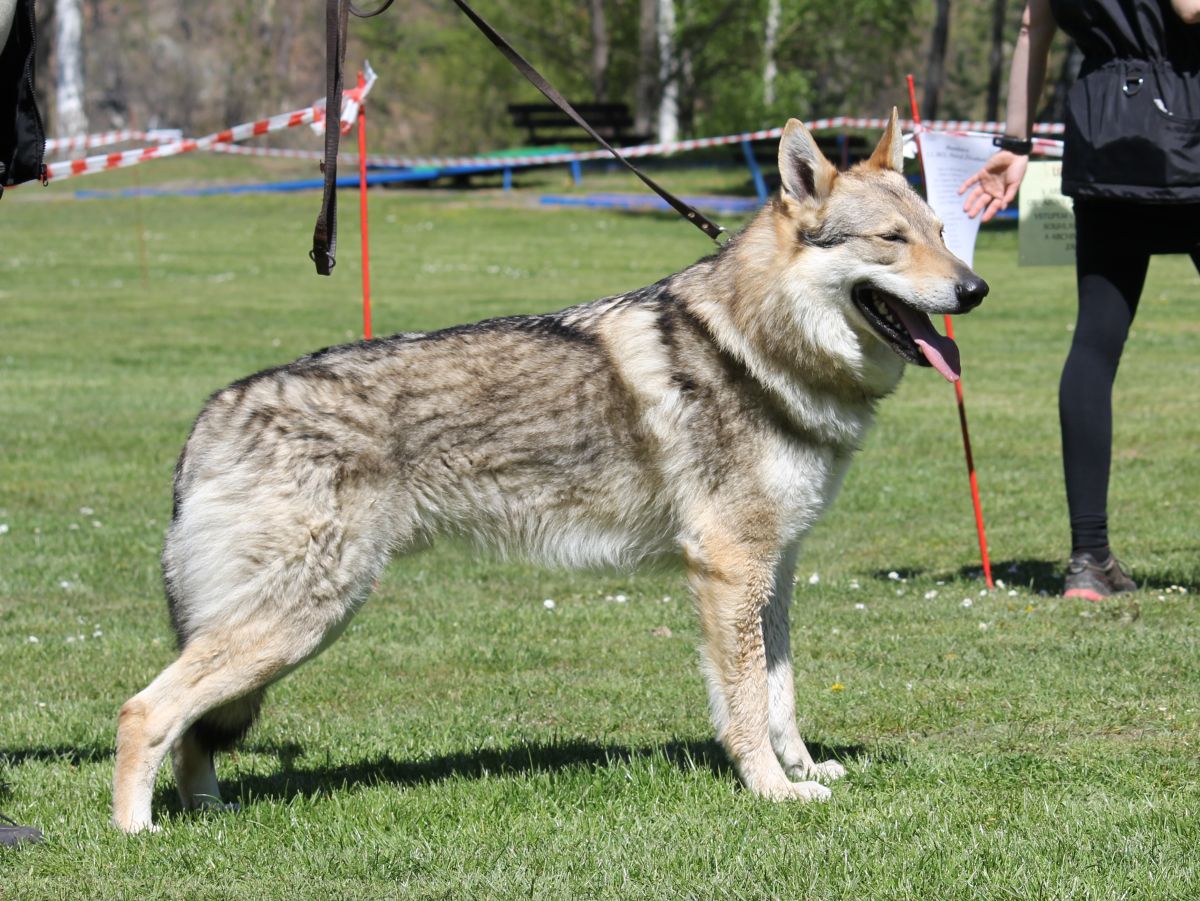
{"points": [[120, 159], [108, 138], [1041, 145], [123, 158], [223, 142]]}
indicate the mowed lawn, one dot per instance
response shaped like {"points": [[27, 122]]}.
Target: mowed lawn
{"points": [[462, 740]]}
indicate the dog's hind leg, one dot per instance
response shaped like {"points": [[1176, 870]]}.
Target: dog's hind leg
{"points": [[781, 687], [192, 755], [208, 674], [733, 584]]}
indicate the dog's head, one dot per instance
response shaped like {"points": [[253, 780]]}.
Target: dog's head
{"points": [[865, 238]]}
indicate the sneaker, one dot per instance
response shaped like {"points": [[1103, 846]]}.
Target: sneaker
{"points": [[1095, 581], [13, 835]]}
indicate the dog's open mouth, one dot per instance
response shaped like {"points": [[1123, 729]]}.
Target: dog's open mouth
{"points": [[909, 332]]}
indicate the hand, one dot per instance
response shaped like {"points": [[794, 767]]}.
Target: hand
{"points": [[995, 184]]}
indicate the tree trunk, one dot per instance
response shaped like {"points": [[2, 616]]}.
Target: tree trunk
{"points": [[996, 60], [668, 77], [646, 94], [599, 51], [936, 73], [68, 85], [770, 42]]}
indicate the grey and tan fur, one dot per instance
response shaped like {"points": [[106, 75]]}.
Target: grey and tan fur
{"points": [[712, 414]]}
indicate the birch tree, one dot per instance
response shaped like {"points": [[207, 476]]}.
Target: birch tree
{"points": [[668, 76], [646, 89], [68, 82], [770, 43], [600, 51]]}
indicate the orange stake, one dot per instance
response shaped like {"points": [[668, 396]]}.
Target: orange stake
{"points": [[362, 210], [958, 391]]}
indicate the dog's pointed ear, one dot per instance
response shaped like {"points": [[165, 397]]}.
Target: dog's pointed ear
{"points": [[889, 153], [806, 174]]}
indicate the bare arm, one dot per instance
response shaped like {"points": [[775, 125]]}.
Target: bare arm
{"points": [[995, 185], [1188, 10], [1028, 73]]}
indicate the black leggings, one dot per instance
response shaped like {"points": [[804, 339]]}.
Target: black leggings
{"points": [[1113, 246]]}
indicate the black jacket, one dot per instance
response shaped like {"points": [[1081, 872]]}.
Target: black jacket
{"points": [[1133, 117], [22, 138]]}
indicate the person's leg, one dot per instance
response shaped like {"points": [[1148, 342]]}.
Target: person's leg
{"points": [[1110, 270]]}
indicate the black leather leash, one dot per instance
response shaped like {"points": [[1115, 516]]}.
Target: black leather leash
{"points": [[325, 235]]}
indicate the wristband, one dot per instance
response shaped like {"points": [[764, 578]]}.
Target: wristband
{"points": [[1019, 146]]}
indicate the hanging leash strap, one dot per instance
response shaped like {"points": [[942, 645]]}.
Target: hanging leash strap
{"points": [[535, 78], [336, 19], [337, 13]]}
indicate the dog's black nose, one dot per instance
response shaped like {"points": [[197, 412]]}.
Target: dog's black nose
{"points": [[970, 293]]}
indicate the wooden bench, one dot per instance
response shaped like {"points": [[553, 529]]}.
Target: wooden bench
{"points": [[545, 123]]}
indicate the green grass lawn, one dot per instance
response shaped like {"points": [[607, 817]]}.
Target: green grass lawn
{"points": [[463, 741]]}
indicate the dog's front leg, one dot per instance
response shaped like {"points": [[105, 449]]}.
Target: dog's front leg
{"points": [[733, 584], [781, 691]]}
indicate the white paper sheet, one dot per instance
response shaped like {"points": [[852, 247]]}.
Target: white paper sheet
{"points": [[950, 160]]}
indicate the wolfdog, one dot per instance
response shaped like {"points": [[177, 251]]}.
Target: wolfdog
{"points": [[712, 415]]}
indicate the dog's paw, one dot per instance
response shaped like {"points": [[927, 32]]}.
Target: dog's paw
{"points": [[796, 791], [809, 791], [825, 771]]}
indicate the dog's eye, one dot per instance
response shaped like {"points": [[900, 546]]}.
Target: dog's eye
{"points": [[895, 238]]}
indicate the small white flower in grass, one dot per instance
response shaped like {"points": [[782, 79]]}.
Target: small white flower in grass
{"points": [[1012, 593], [74, 527], [814, 579], [64, 584], [620, 598], [33, 639], [983, 592], [931, 594], [967, 602], [86, 511], [983, 627], [999, 583], [3, 528], [97, 634], [835, 631], [894, 576], [860, 606], [854, 584], [70, 639], [908, 685], [1161, 598], [666, 599], [548, 603], [41, 703], [96, 524]]}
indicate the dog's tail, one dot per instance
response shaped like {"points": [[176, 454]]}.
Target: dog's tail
{"points": [[223, 727]]}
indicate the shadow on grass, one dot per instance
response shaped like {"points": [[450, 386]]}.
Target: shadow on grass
{"points": [[74, 755], [1039, 575], [515, 760]]}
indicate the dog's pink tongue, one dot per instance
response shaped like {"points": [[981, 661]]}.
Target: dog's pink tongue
{"points": [[940, 351]]}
